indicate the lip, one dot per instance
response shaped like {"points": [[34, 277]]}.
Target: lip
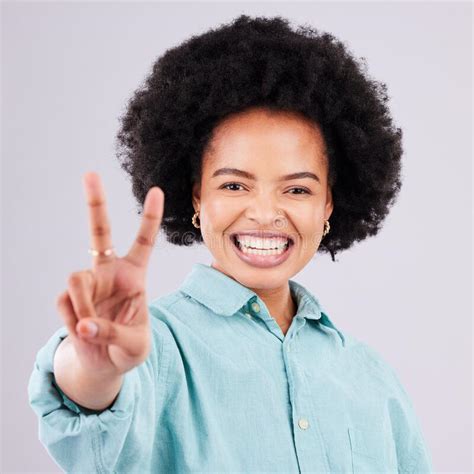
{"points": [[262, 261]]}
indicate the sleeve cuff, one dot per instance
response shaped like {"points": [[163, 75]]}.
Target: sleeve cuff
{"points": [[51, 404]]}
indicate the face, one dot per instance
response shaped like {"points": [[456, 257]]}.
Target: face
{"points": [[266, 146]]}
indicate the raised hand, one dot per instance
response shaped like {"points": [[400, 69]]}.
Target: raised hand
{"points": [[105, 308]]}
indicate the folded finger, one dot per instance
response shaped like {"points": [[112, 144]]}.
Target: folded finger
{"points": [[128, 311], [107, 305], [129, 339], [81, 289], [65, 308]]}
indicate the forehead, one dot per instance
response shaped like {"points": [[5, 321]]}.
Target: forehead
{"points": [[259, 136]]}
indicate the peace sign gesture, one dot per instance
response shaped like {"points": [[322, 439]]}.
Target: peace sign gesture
{"points": [[111, 294]]}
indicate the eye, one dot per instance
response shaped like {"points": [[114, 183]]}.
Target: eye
{"points": [[225, 186], [305, 191]]}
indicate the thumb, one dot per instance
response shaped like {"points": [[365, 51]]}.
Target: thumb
{"points": [[102, 331]]}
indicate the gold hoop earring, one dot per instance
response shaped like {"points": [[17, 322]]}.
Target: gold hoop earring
{"points": [[326, 228], [196, 214]]}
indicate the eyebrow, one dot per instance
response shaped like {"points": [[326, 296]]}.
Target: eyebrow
{"points": [[246, 174]]}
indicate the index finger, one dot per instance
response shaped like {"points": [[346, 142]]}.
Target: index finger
{"points": [[101, 239], [150, 225]]}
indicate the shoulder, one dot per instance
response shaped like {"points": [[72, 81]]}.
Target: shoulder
{"points": [[370, 361], [178, 309], [167, 306], [167, 311]]}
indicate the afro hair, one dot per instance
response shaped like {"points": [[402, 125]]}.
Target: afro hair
{"points": [[169, 120]]}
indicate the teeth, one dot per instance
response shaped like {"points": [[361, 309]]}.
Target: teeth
{"points": [[277, 243], [251, 251], [275, 246]]}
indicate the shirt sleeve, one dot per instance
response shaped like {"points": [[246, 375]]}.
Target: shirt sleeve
{"points": [[83, 440], [413, 454]]}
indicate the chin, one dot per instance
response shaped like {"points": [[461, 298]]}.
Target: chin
{"points": [[261, 279]]}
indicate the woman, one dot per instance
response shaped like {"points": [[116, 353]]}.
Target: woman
{"points": [[266, 144]]}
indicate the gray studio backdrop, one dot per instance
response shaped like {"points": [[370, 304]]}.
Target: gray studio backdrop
{"points": [[67, 70]]}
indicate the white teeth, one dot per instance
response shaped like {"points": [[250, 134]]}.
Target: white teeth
{"points": [[278, 243], [274, 246], [251, 251]]}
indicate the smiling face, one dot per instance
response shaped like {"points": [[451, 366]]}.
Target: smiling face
{"points": [[266, 146]]}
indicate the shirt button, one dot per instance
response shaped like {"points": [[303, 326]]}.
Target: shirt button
{"points": [[303, 423], [256, 307], [248, 315]]}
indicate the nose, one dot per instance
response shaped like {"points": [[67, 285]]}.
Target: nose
{"points": [[264, 212]]}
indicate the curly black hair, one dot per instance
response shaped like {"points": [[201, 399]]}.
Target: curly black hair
{"points": [[169, 120]]}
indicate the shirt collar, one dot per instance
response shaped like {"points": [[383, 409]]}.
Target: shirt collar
{"points": [[226, 296]]}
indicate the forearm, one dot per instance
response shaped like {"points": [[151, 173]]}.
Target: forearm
{"points": [[89, 390]]}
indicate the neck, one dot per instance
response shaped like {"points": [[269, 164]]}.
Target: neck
{"points": [[279, 301]]}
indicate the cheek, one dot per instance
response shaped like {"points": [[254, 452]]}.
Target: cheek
{"points": [[305, 217], [309, 223], [220, 207], [307, 214], [219, 214]]}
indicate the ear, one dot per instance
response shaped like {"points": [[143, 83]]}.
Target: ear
{"points": [[329, 203], [196, 196]]}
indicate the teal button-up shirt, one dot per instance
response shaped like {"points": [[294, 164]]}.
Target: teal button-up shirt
{"points": [[224, 390]]}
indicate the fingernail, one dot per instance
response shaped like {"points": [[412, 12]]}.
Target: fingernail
{"points": [[89, 329]]}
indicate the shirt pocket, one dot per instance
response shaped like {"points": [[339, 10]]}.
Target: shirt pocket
{"points": [[369, 451]]}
